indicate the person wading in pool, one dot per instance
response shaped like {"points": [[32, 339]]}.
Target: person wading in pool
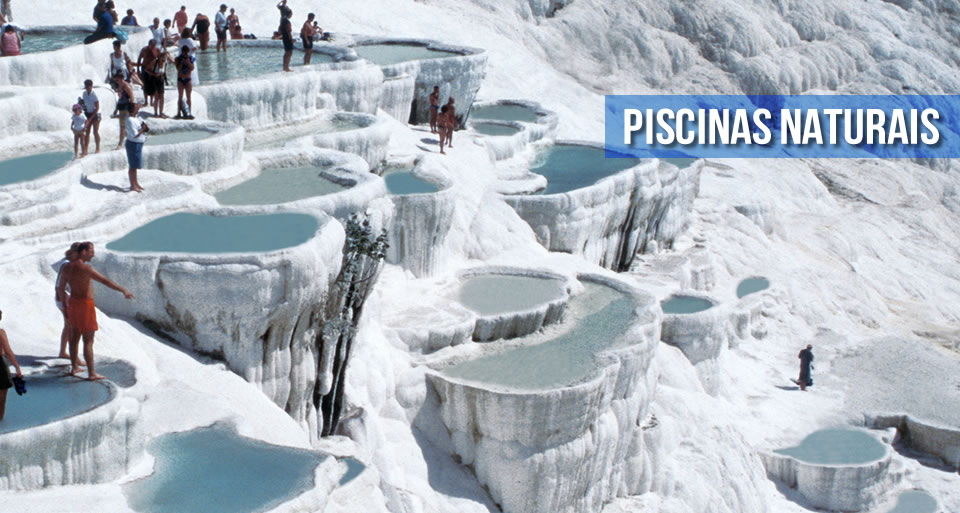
{"points": [[221, 26], [5, 382], [81, 310], [806, 363], [201, 27], [434, 108], [286, 33], [184, 65], [306, 35]]}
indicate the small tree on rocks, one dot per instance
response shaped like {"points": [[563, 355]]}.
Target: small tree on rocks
{"points": [[363, 256]]}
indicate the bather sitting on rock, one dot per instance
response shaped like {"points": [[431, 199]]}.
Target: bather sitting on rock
{"points": [[806, 363], [81, 310], [105, 23], [5, 382]]}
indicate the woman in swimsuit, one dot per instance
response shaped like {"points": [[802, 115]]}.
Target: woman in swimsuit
{"points": [[185, 66], [233, 23], [202, 24], [286, 33], [124, 99]]}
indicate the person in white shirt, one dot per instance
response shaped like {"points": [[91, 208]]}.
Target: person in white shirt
{"points": [[91, 109], [220, 27], [158, 33], [136, 136], [77, 124]]}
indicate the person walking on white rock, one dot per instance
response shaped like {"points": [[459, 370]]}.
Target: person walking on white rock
{"points": [[184, 65], [125, 101], [286, 33], [5, 381], [451, 121], [806, 365], [77, 123], [434, 108], [81, 310], [136, 136]]}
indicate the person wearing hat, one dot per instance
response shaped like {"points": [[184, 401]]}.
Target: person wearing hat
{"points": [[5, 382]]}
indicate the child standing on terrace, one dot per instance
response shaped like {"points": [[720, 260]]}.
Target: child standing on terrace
{"points": [[77, 124], [5, 382]]}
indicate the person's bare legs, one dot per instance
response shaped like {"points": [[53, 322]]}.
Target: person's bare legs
{"points": [[96, 133], [189, 89], [74, 357], [306, 56], [64, 337], [86, 137], [286, 59], [134, 184], [3, 402], [88, 356], [180, 91]]}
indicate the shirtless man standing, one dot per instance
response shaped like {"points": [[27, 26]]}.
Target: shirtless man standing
{"points": [[81, 311]]}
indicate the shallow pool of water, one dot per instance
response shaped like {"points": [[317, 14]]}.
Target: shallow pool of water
{"points": [[402, 181], [505, 113], [571, 166], [6, 94], [180, 136], [273, 186], [354, 468], [247, 62], [31, 167], [494, 294], [685, 305], [50, 398], [493, 129], [277, 137], [751, 285], [200, 233], [836, 447], [385, 54], [35, 42], [915, 501], [214, 470], [595, 320]]}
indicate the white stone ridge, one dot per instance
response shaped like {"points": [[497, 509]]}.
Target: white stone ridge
{"points": [[397, 95], [96, 446], [608, 222], [201, 301], [702, 336], [280, 97], [928, 437], [513, 438], [421, 222], [74, 63], [370, 141], [458, 76], [850, 487], [518, 323], [505, 147], [342, 168]]}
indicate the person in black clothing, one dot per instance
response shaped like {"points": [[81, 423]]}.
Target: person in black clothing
{"points": [[105, 23], [286, 33], [806, 361]]}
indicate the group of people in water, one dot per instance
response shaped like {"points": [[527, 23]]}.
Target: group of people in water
{"points": [[73, 296]]}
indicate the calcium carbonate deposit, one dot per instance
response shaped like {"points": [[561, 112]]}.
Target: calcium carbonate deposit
{"points": [[549, 331]]}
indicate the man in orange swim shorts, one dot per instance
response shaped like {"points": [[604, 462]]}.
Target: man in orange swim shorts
{"points": [[81, 311]]}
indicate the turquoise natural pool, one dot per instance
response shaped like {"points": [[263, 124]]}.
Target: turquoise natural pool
{"points": [[401, 181], [177, 137], [31, 167], [354, 468], [915, 501], [273, 186], [494, 129], [260, 140], [685, 305], [241, 61], [385, 54], [214, 470], [50, 398], [494, 294], [572, 166], [200, 233], [836, 447], [41, 41], [6, 94], [752, 285], [505, 112], [595, 320]]}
